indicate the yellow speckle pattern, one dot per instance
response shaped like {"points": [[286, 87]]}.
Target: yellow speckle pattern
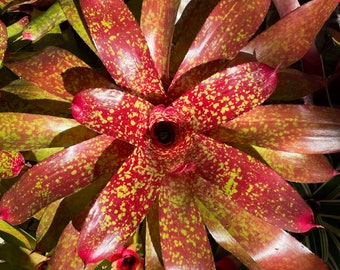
{"points": [[123, 48], [227, 29], [253, 185], [292, 128], [271, 247], [297, 31], [53, 178], [49, 65], [11, 163], [120, 207], [182, 234], [226, 95], [21, 131]]}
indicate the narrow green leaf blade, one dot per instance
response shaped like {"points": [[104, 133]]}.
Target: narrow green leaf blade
{"points": [[122, 47], [120, 207], [226, 95]]}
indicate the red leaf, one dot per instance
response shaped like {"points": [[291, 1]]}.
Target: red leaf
{"points": [[11, 163], [285, 6], [3, 41], [122, 47], [120, 207], [48, 65], [21, 131], [55, 177], [292, 128], [271, 247], [227, 29], [253, 185], [289, 39], [163, 14], [226, 95], [113, 112], [183, 237], [298, 167]]}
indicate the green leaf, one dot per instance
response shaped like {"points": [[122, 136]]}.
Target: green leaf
{"points": [[16, 28], [113, 112], [227, 29], [3, 41], [254, 186], [49, 64], [11, 235], [298, 167], [184, 240], [123, 48], [163, 14], [292, 128], [226, 95], [53, 178], [42, 24], [11, 163], [289, 39], [120, 207]]}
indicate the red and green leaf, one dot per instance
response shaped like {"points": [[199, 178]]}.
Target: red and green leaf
{"points": [[21, 131], [226, 95], [254, 186], [291, 128], [11, 163], [16, 28], [183, 238], [224, 33], [3, 41], [120, 207], [55, 177], [123, 48], [163, 14], [271, 247], [48, 65], [298, 167], [114, 113], [289, 39]]}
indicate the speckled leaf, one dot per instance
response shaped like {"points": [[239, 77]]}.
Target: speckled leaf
{"points": [[285, 6], [254, 186], [163, 15], [227, 29], [113, 112], [71, 12], [3, 41], [16, 28], [151, 258], [292, 128], [298, 167], [184, 240], [289, 39], [21, 131], [122, 47], [11, 163], [49, 65], [294, 84], [55, 177], [42, 24], [226, 95], [29, 91], [224, 238], [120, 207], [65, 255], [271, 247]]}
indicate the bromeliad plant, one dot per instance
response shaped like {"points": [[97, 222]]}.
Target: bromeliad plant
{"points": [[155, 155]]}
